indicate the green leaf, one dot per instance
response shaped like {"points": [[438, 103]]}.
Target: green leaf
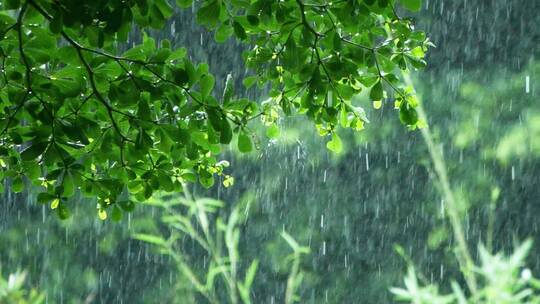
{"points": [[239, 31], [34, 151], [382, 3], [127, 206], [253, 20], [44, 197], [102, 214], [226, 132], [62, 212], [15, 75], [207, 84], [18, 184], [335, 145], [40, 44], [181, 76], [416, 62], [376, 92], [215, 118], [12, 4], [184, 3], [250, 274], [56, 24], [164, 7], [223, 33], [209, 14], [55, 202], [272, 131], [116, 214], [228, 181], [143, 140], [520, 254], [291, 241], [206, 179], [408, 114], [149, 238], [249, 81], [68, 183], [69, 81], [418, 52], [177, 54], [413, 5], [244, 142]]}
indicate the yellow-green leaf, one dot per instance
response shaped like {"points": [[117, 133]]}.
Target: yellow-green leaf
{"points": [[102, 214], [55, 203], [335, 145]]}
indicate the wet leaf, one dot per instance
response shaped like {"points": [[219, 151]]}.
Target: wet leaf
{"points": [[244, 142], [335, 145]]}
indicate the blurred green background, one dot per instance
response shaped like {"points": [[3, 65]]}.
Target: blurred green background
{"points": [[480, 91]]}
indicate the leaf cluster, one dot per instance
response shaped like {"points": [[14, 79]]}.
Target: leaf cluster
{"points": [[77, 112]]}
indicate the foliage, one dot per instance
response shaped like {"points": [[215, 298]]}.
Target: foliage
{"points": [[504, 281], [12, 291], [220, 278], [88, 116]]}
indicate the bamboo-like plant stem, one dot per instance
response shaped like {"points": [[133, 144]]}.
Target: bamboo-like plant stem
{"points": [[291, 284], [451, 206]]}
